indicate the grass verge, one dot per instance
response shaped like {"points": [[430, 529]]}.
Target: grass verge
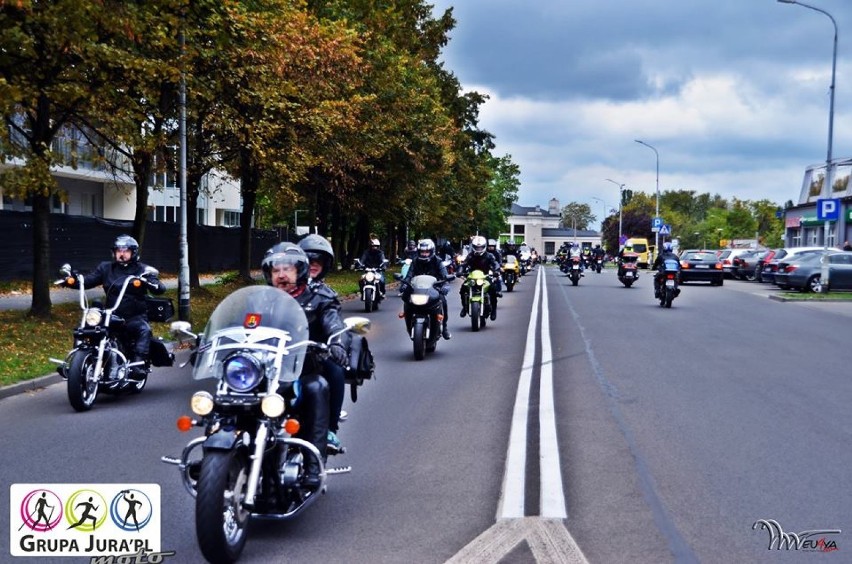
{"points": [[26, 344]]}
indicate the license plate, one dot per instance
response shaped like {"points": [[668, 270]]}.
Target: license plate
{"points": [[702, 266], [575, 267], [670, 283], [628, 275]]}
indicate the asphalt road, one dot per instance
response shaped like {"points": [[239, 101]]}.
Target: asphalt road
{"points": [[676, 431]]}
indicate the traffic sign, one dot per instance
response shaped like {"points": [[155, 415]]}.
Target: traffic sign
{"points": [[656, 223], [666, 230], [828, 209]]}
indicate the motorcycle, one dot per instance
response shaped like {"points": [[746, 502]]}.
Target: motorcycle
{"points": [[423, 312], [249, 464], [99, 361], [668, 289], [370, 284], [628, 269], [574, 271], [598, 264], [477, 298], [511, 272]]}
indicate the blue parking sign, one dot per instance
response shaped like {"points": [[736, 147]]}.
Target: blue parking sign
{"points": [[828, 209]]}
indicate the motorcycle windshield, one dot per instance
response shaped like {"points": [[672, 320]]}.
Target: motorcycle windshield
{"points": [[423, 282], [260, 321]]}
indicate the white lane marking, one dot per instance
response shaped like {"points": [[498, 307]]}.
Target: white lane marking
{"points": [[512, 495], [552, 495]]}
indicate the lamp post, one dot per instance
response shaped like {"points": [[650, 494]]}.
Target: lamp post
{"points": [[604, 212], [620, 204], [703, 240], [829, 176], [657, 209]]}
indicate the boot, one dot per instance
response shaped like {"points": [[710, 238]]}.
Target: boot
{"points": [[445, 333]]}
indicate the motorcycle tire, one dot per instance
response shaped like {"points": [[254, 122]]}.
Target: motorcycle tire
{"points": [[368, 300], [574, 280], [82, 387], [627, 283], [419, 339], [475, 314], [510, 287], [221, 523]]}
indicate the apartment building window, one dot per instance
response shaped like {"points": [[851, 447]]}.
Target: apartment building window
{"points": [[166, 214], [796, 238], [519, 229], [230, 218], [200, 216]]}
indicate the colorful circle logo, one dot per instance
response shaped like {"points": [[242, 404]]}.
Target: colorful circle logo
{"points": [[41, 510], [131, 510], [85, 510]]}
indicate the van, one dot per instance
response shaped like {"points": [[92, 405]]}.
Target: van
{"points": [[638, 245]]}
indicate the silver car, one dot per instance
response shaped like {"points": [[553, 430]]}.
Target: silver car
{"points": [[805, 273]]}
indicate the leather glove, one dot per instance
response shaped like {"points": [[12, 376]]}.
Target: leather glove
{"points": [[338, 354], [153, 283]]}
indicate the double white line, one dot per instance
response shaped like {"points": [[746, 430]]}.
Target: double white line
{"points": [[552, 503]]}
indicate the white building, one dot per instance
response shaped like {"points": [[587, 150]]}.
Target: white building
{"points": [[541, 229]]}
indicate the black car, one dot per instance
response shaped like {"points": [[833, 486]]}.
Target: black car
{"points": [[701, 266]]}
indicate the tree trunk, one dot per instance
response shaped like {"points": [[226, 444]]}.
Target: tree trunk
{"points": [[249, 181], [41, 306]]}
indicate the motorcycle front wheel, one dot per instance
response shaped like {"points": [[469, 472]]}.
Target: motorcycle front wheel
{"points": [[419, 337], [221, 522], [82, 381], [475, 312], [368, 300]]}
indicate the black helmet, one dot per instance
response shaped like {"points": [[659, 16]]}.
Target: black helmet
{"points": [[425, 249], [286, 253], [317, 247], [412, 245], [127, 242]]}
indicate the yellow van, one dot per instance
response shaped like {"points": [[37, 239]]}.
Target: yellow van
{"points": [[638, 245]]}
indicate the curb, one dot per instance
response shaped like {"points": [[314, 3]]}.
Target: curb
{"points": [[806, 300], [30, 385]]}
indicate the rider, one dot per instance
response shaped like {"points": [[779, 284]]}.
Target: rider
{"points": [[286, 267], [575, 252], [429, 263], [320, 260], [480, 259], [598, 252], [660, 267], [491, 247], [133, 308], [373, 257], [411, 250]]}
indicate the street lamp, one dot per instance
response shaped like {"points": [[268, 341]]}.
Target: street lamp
{"points": [[620, 204], [829, 177], [657, 210], [703, 240]]}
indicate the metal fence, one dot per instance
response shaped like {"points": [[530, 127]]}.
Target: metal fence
{"points": [[84, 242]]}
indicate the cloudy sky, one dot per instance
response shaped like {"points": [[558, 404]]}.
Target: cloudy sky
{"points": [[733, 94]]}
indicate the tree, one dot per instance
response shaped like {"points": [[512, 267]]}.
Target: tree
{"points": [[577, 216]]}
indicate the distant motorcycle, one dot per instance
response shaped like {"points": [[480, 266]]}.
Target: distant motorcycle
{"points": [[370, 284], [511, 272], [99, 361], [598, 264], [628, 269], [574, 271], [249, 464], [423, 312], [477, 298], [668, 289]]}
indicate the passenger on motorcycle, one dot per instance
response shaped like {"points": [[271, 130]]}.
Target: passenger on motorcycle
{"points": [[660, 267], [286, 267], [498, 276], [576, 252], [133, 308], [373, 257], [321, 260], [428, 263], [598, 252], [411, 250], [480, 259]]}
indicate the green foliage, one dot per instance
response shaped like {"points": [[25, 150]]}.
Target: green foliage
{"points": [[577, 216]]}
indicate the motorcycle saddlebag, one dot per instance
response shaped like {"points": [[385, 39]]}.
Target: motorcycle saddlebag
{"points": [[159, 355], [160, 309], [361, 363]]}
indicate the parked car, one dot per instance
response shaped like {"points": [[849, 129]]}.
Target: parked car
{"points": [[745, 265], [771, 266], [727, 257], [701, 266], [761, 265], [805, 272]]}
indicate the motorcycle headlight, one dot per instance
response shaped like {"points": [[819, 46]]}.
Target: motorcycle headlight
{"points": [[370, 276], [480, 282], [201, 403], [272, 405], [419, 299], [93, 317], [242, 372]]}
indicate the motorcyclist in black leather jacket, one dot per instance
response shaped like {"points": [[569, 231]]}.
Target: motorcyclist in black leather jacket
{"points": [[427, 262], [286, 266], [659, 266], [133, 308], [321, 260], [411, 250], [480, 259], [491, 247], [374, 257]]}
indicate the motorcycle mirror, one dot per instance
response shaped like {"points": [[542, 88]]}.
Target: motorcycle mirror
{"points": [[65, 270], [359, 325], [397, 276], [182, 328], [151, 271]]}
